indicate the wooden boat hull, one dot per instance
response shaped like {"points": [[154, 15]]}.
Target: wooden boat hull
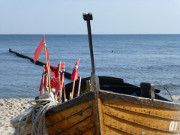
{"points": [[117, 113], [121, 114], [142, 116], [73, 117]]}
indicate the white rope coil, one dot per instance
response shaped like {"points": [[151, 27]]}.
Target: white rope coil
{"points": [[37, 116]]}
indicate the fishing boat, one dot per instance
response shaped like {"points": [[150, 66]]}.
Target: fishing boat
{"points": [[110, 106], [120, 112]]}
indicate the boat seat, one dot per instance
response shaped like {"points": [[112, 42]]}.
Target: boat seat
{"points": [[147, 90]]}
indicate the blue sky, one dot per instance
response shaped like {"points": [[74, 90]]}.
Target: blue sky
{"points": [[110, 16]]}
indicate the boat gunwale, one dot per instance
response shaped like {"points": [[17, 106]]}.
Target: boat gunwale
{"points": [[103, 94], [70, 103], [138, 100]]}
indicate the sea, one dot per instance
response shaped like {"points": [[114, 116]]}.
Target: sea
{"points": [[134, 58]]}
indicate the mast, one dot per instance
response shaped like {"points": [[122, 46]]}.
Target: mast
{"points": [[94, 78]]}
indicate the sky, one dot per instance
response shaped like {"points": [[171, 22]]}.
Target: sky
{"points": [[109, 16]]}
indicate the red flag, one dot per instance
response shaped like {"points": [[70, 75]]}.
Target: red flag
{"points": [[39, 49], [54, 83], [62, 66], [41, 85], [59, 80], [74, 75], [47, 54], [54, 72]]}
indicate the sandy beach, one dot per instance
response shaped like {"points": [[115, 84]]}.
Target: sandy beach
{"points": [[9, 109]]}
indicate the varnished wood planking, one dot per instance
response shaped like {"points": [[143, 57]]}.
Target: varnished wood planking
{"points": [[141, 119], [131, 128], [100, 117], [95, 117], [138, 100], [67, 113], [144, 109], [91, 131], [112, 131], [80, 127], [69, 122]]}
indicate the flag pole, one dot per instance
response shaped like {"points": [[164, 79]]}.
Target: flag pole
{"points": [[75, 77], [73, 89], [47, 66], [63, 84], [43, 80], [47, 91], [79, 88], [59, 78]]}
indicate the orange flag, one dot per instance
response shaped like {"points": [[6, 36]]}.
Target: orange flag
{"points": [[39, 49]]}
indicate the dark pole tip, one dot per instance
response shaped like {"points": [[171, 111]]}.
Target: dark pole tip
{"points": [[87, 17]]}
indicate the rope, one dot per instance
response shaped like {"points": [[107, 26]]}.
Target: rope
{"points": [[168, 93], [37, 115]]}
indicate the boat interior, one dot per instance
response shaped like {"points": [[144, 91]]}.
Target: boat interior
{"points": [[116, 85]]}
